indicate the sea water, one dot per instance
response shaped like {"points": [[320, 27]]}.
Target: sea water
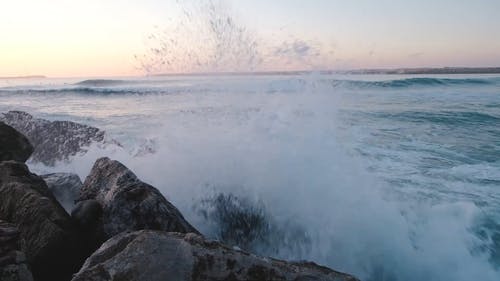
{"points": [[388, 177]]}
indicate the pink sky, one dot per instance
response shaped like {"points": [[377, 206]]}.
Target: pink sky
{"points": [[101, 38]]}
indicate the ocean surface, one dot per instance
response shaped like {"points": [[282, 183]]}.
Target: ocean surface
{"points": [[387, 177]]}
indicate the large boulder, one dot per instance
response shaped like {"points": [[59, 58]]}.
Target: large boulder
{"points": [[128, 203], [53, 141], [13, 266], [160, 256], [65, 187], [46, 230], [13, 145]]}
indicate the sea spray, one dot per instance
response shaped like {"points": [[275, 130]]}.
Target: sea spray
{"points": [[208, 38]]}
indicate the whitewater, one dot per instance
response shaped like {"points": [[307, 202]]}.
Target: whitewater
{"points": [[388, 177]]}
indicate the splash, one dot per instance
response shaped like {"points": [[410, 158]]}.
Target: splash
{"points": [[248, 225], [208, 39], [205, 39]]}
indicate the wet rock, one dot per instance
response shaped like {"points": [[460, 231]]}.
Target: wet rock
{"points": [[13, 266], [46, 230], [65, 187], [155, 255], [13, 145], [52, 141], [87, 214], [128, 203]]}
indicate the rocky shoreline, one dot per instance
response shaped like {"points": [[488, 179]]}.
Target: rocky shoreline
{"points": [[113, 226]]}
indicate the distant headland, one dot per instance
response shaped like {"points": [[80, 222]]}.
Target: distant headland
{"points": [[24, 77], [429, 70]]}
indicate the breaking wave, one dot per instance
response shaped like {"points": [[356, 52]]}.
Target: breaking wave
{"points": [[279, 83], [418, 82]]}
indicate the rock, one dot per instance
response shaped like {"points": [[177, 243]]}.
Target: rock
{"points": [[65, 187], [13, 145], [13, 265], [129, 204], [87, 214], [48, 238], [53, 141], [155, 255]]}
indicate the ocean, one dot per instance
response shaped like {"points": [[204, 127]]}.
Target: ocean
{"points": [[388, 177]]}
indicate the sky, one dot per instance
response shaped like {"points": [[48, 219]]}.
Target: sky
{"points": [[63, 38]]}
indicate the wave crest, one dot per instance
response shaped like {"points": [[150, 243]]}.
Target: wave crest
{"points": [[418, 82]]}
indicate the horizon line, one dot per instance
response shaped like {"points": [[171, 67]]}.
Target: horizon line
{"points": [[403, 70]]}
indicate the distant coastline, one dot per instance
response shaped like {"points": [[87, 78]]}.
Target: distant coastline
{"points": [[23, 77], [429, 70]]}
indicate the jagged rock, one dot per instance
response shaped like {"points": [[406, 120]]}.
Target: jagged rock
{"points": [[65, 187], [155, 255], [48, 238], [13, 145], [129, 204], [53, 141], [13, 265]]}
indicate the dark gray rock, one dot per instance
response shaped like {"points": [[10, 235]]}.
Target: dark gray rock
{"points": [[128, 203], [160, 256], [13, 145], [13, 266], [50, 243], [53, 141], [87, 213], [65, 187], [87, 216]]}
